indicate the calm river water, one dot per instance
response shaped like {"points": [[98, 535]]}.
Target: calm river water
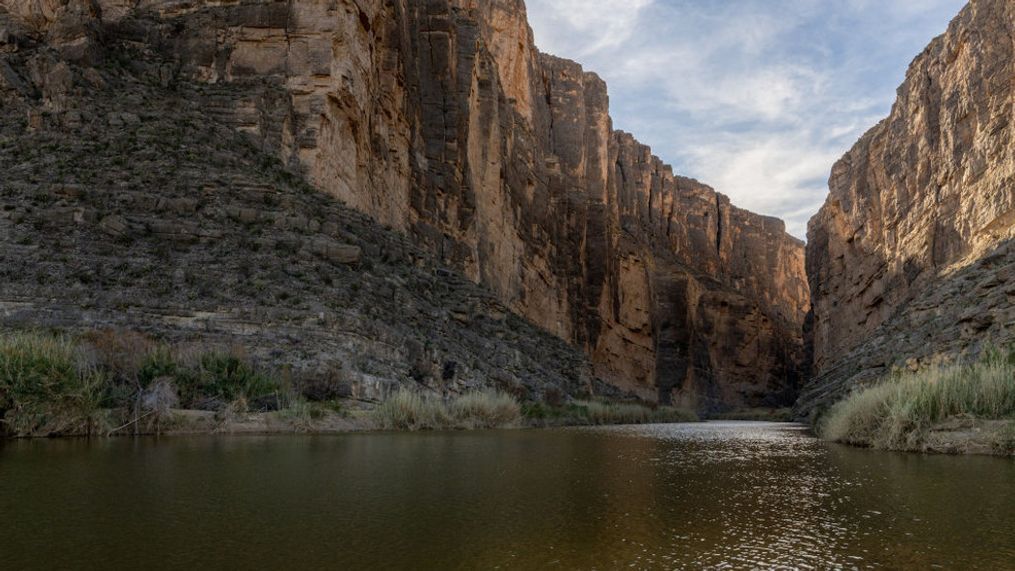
{"points": [[706, 496]]}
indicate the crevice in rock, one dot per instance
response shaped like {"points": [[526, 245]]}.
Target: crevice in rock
{"points": [[718, 225]]}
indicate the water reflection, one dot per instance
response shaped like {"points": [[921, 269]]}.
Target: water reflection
{"points": [[721, 495]]}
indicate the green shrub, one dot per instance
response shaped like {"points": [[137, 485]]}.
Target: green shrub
{"points": [[897, 413], [229, 378], [56, 384], [538, 411], [213, 376], [45, 387], [603, 413], [159, 362]]}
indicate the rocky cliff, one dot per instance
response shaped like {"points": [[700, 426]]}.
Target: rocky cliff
{"points": [[443, 121], [911, 260], [127, 205]]}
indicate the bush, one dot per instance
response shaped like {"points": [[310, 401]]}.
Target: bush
{"points": [[56, 384], [45, 389], [208, 380], [896, 414], [228, 378], [121, 353], [157, 363]]}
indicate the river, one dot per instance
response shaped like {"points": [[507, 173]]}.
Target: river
{"points": [[714, 496]]}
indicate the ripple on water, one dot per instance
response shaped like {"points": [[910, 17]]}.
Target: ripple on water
{"points": [[777, 499], [696, 496]]}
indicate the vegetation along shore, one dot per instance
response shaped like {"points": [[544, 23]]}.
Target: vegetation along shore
{"points": [[104, 383], [961, 408]]}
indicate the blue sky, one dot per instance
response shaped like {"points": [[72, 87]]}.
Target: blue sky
{"points": [[757, 98]]}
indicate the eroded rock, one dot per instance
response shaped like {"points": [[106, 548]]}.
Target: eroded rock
{"points": [[442, 120], [920, 211]]}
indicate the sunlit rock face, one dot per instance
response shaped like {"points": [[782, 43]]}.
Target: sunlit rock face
{"points": [[441, 119], [910, 260]]}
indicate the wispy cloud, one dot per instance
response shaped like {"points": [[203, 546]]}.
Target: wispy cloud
{"points": [[586, 28], [755, 97]]}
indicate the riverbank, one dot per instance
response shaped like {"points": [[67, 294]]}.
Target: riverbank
{"points": [[110, 384], [324, 421], [957, 409], [755, 415], [192, 422]]}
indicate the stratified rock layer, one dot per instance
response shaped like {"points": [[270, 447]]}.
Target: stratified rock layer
{"points": [[911, 259], [442, 120]]}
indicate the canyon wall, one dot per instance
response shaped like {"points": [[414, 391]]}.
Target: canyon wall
{"points": [[910, 260], [441, 119]]}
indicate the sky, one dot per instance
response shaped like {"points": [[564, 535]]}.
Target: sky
{"points": [[756, 98]]}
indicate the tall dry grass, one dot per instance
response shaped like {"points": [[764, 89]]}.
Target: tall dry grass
{"points": [[579, 413], [630, 413], [409, 410], [47, 388], [896, 414], [486, 409], [101, 382]]}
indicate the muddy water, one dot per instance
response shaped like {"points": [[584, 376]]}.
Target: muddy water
{"points": [[717, 495]]}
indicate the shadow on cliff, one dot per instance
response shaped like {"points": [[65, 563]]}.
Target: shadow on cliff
{"points": [[717, 350], [949, 317]]}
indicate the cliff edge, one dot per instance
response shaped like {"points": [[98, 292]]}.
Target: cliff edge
{"points": [[911, 261]]}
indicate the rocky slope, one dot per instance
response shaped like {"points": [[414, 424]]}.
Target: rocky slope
{"points": [[911, 260], [128, 206], [443, 121]]}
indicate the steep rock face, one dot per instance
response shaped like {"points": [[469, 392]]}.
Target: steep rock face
{"points": [[126, 205], [910, 260], [442, 120]]}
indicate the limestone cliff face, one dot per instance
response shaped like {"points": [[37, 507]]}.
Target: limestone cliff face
{"points": [[910, 260], [441, 119]]}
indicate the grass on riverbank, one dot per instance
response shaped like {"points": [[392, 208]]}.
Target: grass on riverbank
{"points": [[407, 410], [898, 413], [585, 413], [46, 389], [52, 385], [104, 382]]}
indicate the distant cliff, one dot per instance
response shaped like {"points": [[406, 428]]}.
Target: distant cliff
{"points": [[442, 120], [911, 261]]}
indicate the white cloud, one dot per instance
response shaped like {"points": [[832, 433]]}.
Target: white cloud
{"points": [[783, 173], [757, 98], [578, 28]]}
